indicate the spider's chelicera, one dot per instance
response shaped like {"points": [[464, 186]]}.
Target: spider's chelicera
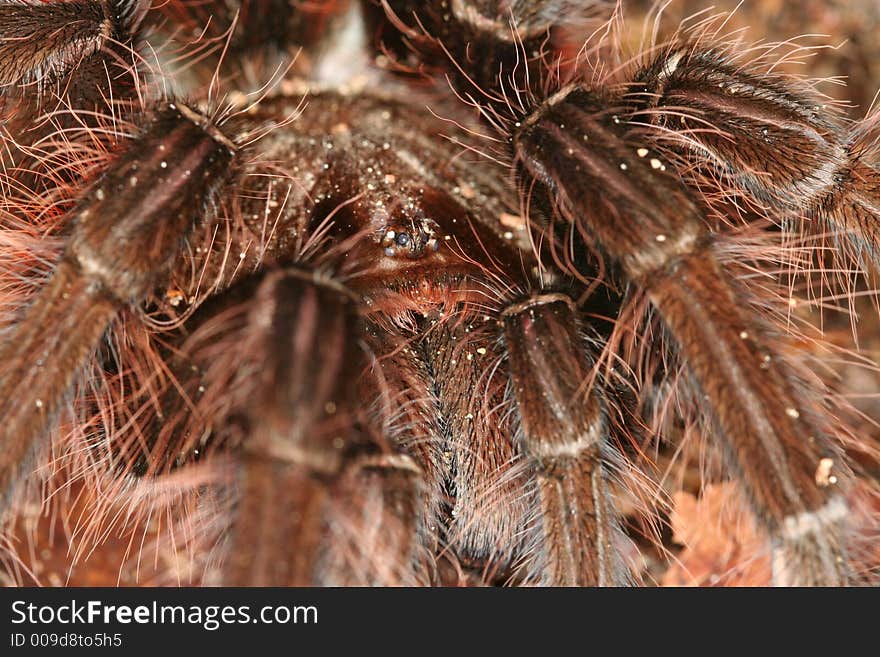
{"points": [[323, 334]]}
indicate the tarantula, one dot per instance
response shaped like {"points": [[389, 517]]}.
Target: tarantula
{"points": [[316, 333]]}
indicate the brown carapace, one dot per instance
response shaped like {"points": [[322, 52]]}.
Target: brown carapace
{"points": [[414, 293]]}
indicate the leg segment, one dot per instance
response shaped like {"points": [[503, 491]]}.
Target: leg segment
{"points": [[563, 433], [408, 411], [375, 538], [60, 48], [479, 37], [486, 476], [775, 430], [763, 137], [66, 68], [309, 469], [126, 230]]}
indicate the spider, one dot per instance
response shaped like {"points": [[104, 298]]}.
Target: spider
{"points": [[416, 317]]}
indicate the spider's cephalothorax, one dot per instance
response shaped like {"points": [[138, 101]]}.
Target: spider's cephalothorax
{"points": [[312, 336]]}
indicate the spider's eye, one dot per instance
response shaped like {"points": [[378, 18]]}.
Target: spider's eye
{"points": [[415, 242]]}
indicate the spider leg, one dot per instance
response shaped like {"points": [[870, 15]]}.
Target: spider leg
{"points": [[564, 435], [408, 409], [255, 25], [375, 538], [487, 475], [126, 230], [306, 463], [65, 68], [645, 219], [68, 47], [479, 35], [764, 137]]}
